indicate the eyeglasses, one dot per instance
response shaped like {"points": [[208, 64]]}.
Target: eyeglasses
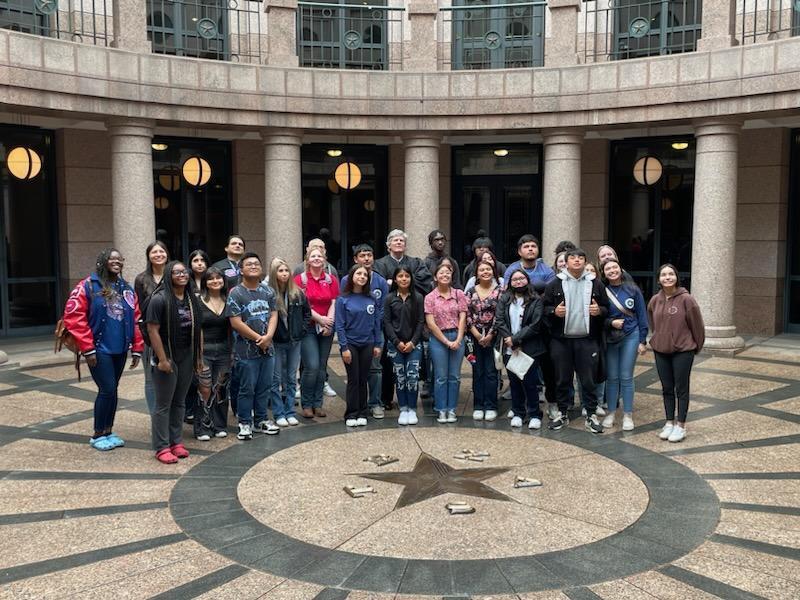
{"points": [[180, 273], [251, 264]]}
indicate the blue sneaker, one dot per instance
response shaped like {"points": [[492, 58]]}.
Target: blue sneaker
{"points": [[116, 440], [102, 443]]}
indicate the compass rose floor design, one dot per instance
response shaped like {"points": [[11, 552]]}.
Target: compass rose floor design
{"points": [[621, 515]]}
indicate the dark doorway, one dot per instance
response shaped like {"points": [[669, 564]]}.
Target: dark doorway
{"points": [[792, 297]]}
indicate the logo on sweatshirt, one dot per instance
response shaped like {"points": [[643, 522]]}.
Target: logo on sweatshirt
{"points": [[673, 310], [370, 309], [629, 303], [129, 298]]}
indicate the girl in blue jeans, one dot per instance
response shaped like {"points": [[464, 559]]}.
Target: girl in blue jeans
{"points": [[403, 323], [446, 318], [626, 327]]}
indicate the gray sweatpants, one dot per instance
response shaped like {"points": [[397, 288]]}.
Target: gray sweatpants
{"points": [[170, 389]]}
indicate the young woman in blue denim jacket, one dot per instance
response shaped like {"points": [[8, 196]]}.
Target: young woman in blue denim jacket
{"points": [[403, 324], [626, 335]]}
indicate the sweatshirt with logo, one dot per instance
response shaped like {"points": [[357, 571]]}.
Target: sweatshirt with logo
{"points": [[676, 323], [357, 321]]}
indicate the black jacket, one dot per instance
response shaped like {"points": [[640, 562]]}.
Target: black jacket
{"points": [[423, 280], [529, 338], [432, 260], [554, 295], [298, 315], [400, 322]]}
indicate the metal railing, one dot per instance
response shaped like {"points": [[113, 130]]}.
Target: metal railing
{"points": [[764, 20], [500, 35], [213, 29], [87, 21], [337, 35], [620, 29]]}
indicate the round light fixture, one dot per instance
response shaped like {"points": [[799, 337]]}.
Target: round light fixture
{"points": [[333, 187], [347, 175], [196, 171], [501, 152], [680, 145], [23, 163], [170, 179], [369, 205], [161, 203], [647, 170], [334, 152], [159, 147]]}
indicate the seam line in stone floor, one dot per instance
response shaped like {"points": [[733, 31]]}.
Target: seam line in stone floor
{"points": [[707, 584], [71, 561], [764, 547], [782, 440], [743, 375], [77, 513], [330, 593], [765, 508], [777, 475], [202, 585], [580, 593], [88, 475]]}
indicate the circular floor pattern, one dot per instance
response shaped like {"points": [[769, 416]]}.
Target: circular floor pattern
{"points": [[276, 504]]}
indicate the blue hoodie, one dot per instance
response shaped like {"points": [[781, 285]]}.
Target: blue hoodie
{"points": [[357, 322], [631, 298]]}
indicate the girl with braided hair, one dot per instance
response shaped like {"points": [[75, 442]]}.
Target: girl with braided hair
{"points": [[101, 314]]}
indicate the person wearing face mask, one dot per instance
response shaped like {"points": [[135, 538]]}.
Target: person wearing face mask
{"points": [[519, 324], [437, 240]]}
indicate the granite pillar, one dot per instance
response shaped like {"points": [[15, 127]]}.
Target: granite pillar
{"points": [[419, 53], [283, 202], [561, 48], [714, 230], [719, 25], [421, 191], [282, 32], [561, 214], [133, 212], [130, 26]]}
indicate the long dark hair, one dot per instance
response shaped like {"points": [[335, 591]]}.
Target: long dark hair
{"points": [[172, 310], [412, 294], [674, 270], [627, 282], [529, 295], [101, 268], [150, 246], [211, 271], [493, 266], [202, 254], [348, 287]]}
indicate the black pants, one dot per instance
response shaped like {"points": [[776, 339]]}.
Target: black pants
{"points": [[548, 376], [357, 374], [673, 371], [387, 378], [170, 388], [578, 356]]}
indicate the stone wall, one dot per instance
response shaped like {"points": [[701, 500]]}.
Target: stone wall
{"points": [[594, 196], [248, 193]]}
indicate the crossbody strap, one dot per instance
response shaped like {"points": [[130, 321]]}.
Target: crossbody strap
{"points": [[613, 297]]}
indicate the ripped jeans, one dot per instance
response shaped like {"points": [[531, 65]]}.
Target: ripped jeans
{"points": [[406, 374]]}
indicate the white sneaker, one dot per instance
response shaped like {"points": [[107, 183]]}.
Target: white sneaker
{"points": [[535, 423], [403, 418], [293, 421], [507, 393], [666, 431], [516, 422], [221, 434], [351, 422], [362, 421], [552, 411], [583, 412], [328, 390], [677, 435], [268, 428], [442, 418], [282, 422], [490, 415], [477, 415], [412, 417], [245, 432], [627, 422], [203, 437], [600, 411], [377, 412], [451, 416], [510, 414], [297, 393], [608, 421]]}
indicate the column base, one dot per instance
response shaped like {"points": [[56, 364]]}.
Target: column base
{"points": [[720, 344], [3, 357]]}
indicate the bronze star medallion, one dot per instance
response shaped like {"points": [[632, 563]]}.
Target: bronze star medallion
{"points": [[431, 477]]}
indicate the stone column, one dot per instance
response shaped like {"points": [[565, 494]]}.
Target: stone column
{"points": [[719, 25], [421, 51], [130, 26], [561, 214], [421, 190], [283, 199], [282, 32], [133, 213], [714, 230], [561, 48]]}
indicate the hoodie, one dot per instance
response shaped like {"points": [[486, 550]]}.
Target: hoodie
{"points": [[676, 323], [579, 294]]}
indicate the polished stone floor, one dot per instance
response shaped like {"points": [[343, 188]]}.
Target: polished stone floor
{"points": [[622, 515]]}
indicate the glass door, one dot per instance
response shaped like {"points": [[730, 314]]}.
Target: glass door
{"points": [[792, 295]]}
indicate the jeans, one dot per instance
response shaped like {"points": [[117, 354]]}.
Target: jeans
{"points": [[149, 391], [357, 373], [314, 349], [170, 389], [374, 381], [287, 360], [233, 388], [575, 356], [484, 379], [620, 358], [211, 416], [406, 372], [446, 371], [673, 371], [106, 375], [524, 392], [255, 383]]}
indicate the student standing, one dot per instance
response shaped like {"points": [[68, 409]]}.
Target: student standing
{"points": [[678, 334], [358, 329], [482, 307]]}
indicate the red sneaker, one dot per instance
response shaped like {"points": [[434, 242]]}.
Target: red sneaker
{"points": [[166, 456], [180, 451]]}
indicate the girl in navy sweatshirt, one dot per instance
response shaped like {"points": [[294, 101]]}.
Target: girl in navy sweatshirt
{"points": [[358, 329]]}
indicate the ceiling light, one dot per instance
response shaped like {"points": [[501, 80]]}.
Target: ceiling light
{"points": [[680, 145], [501, 152], [334, 152], [159, 147]]}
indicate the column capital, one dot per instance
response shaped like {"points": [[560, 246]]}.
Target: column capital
{"points": [[562, 136], [422, 140], [132, 127], [282, 136], [716, 126]]}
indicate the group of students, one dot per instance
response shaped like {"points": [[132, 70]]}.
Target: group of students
{"points": [[231, 332]]}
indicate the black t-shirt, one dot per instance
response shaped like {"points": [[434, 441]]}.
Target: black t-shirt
{"points": [[157, 313], [215, 327]]}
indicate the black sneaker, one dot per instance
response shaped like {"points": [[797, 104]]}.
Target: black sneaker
{"points": [[268, 427], [559, 422], [593, 425]]}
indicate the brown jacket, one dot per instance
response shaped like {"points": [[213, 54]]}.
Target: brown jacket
{"points": [[676, 323]]}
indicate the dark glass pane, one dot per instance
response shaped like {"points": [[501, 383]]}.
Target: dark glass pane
{"points": [[518, 208], [31, 304], [476, 200], [520, 160], [794, 302]]}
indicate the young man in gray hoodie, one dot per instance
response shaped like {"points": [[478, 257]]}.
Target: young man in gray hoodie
{"points": [[576, 306]]}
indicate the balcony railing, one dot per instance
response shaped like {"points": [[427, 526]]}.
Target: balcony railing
{"points": [[87, 21], [214, 29], [764, 20], [337, 35], [620, 29], [500, 35]]}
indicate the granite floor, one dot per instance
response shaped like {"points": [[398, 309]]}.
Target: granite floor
{"points": [[621, 515]]}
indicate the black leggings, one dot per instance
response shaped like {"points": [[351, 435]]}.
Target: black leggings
{"points": [[357, 373], [674, 370]]}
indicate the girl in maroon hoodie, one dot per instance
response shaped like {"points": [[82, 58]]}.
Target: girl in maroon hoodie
{"points": [[678, 334]]}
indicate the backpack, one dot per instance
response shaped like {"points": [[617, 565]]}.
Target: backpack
{"points": [[143, 312], [64, 339], [304, 279]]}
